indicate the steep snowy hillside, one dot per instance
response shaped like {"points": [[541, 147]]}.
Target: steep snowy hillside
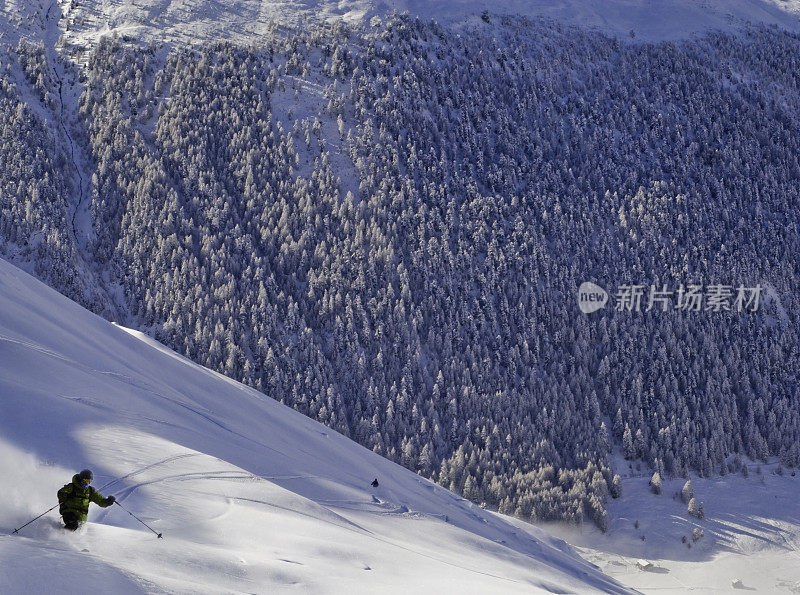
{"points": [[250, 495], [248, 20]]}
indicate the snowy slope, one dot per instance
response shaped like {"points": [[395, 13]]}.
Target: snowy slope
{"points": [[247, 20], [250, 495]]}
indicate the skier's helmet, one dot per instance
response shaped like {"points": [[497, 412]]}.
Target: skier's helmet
{"points": [[86, 476]]}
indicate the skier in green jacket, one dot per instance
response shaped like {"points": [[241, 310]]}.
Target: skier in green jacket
{"points": [[74, 498]]}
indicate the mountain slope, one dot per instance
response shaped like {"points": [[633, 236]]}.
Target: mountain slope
{"points": [[215, 198], [249, 20], [250, 495]]}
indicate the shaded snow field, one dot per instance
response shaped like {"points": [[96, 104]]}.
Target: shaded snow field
{"points": [[250, 495], [751, 532]]}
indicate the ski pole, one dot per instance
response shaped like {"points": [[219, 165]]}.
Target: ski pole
{"points": [[30, 521], [138, 519]]}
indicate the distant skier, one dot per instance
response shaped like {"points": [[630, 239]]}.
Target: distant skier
{"points": [[74, 499], [374, 483]]}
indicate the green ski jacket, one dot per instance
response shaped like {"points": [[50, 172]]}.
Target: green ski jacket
{"points": [[74, 499]]}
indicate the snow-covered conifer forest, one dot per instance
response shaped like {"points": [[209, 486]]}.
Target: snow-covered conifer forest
{"points": [[384, 224]]}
